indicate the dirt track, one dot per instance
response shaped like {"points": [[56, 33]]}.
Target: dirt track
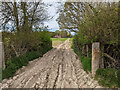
{"points": [[58, 68]]}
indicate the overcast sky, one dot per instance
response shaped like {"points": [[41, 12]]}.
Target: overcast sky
{"points": [[52, 24], [52, 11]]}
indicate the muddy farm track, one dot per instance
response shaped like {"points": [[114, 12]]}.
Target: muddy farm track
{"points": [[58, 68]]}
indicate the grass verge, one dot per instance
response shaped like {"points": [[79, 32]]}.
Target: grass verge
{"points": [[86, 61], [108, 77]]}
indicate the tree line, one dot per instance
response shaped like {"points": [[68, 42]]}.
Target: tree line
{"points": [[62, 33]]}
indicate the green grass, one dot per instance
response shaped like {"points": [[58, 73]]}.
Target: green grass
{"points": [[58, 39], [108, 77], [86, 61], [71, 39]]}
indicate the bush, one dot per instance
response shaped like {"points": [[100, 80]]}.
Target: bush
{"points": [[9, 71], [19, 43], [17, 62], [22, 47], [108, 77], [32, 55]]}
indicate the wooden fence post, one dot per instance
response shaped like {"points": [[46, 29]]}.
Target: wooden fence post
{"points": [[95, 57], [2, 59]]}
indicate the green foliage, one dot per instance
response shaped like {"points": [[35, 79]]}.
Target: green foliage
{"points": [[9, 71], [19, 43], [22, 47], [108, 77], [32, 55], [99, 23], [17, 62], [62, 33], [44, 42], [95, 22], [101, 26]]}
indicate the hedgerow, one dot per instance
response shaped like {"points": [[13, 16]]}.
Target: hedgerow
{"points": [[22, 47]]}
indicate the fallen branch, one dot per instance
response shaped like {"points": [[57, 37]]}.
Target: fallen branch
{"points": [[105, 54]]}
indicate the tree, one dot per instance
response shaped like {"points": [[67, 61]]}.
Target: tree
{"points": [[92, 22], [100, 24], [72, 14], [69, 35], [91, 19], [23, 15], [57, 32], [63, 33]]}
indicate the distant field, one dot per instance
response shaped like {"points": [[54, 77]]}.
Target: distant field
{"points": [[58, 39], [71, 39]]}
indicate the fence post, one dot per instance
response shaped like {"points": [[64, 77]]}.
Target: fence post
{"points": [[2, 59], [95, 57]]}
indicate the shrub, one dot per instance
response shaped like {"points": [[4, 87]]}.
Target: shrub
{"points": [[23, 60], [17, 62], [22, 47], [9, 71], [108, 77], [32, 55], [19, 43]]}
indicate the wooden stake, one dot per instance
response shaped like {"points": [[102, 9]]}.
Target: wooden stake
{"points": [[95, 57]]}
